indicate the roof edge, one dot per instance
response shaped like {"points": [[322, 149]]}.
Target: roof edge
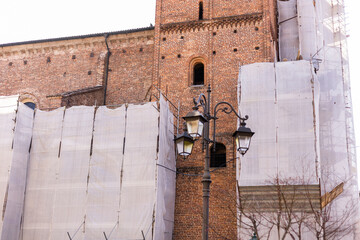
{"points": [[78, 37]]}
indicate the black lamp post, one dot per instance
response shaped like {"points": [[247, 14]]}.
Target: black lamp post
{"points": [[198, 125]]}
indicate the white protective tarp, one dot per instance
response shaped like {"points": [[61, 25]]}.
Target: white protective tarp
{"points": [[137, 203], [307, 28], [13, 208], [281, 100], [288, 30], [166, 175], [298, 29], [336, 119], [42, 175], [8, 106], [104, 190], [322, 34], [108, 173], [68, 207]]}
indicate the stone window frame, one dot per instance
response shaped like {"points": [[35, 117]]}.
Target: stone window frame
{"points": [[192, 64], [28, 98]]}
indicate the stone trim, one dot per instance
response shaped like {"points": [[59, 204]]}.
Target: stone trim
{"points": [[303, 198], [76, 92], [57, 46], [233, 21]]}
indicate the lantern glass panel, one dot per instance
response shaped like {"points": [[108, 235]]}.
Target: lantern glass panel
{"points": [[200, 129], [195, 127], [184, 147], [188, 147], [242, 143]]}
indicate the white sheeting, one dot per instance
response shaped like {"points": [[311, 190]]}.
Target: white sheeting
{"points": [[288, 30], [298, 31], [336, 123], [68, 207], [17, 181], [137, 204], [118, 190], [8, 106], [307, 28], [104, 190], [322, 33], [42, 175], [280, 100], [166, 175]]}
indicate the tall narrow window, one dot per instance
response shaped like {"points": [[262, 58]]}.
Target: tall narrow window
{"points": [[198, 74], [218, 158], [201, 11]]}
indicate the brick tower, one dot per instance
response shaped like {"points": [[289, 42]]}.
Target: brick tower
{"points": [[201, 42]]}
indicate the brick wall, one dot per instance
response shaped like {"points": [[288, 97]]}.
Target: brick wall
{"points": [[130, 75], [50, 68], [46, 70], [176, 11]]}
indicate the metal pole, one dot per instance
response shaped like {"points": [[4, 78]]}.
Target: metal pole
{"points": [[206, 178]]}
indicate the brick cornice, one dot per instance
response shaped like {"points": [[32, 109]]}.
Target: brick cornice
{"points": [[61, 45], [233, 21]]}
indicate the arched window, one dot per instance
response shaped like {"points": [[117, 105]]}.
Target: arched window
{"points": [[28, 100], [218, 158], [201, 11], [30, 105], [198, 74]]}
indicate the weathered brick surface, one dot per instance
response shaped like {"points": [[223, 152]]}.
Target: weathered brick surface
{"points": [[130, 75], [175, 11], [233, 33], [52, 68], [48, 69], [92, 98]]}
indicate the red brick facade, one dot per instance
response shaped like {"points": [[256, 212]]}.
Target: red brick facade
{"points": [[73, 71]]}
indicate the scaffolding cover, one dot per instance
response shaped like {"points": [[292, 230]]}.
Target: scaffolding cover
{"points": [[322, 34], [92, 174], [68, 209], [288, 29], [282, 102], [166, 175], [13, 207], [15, 130], [8, 107], [42, 175], [138, 173], [104, 188]]}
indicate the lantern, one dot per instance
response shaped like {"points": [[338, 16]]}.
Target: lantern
{"points": [[195, 123]]}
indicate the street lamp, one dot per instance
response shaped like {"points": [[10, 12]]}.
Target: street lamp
{"points": [[198, 125]]}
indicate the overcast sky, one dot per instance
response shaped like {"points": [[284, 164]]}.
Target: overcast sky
{"points": [[23, 20], [37, 19]]}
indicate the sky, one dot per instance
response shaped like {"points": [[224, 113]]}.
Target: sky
{"points": [[24, 20]]}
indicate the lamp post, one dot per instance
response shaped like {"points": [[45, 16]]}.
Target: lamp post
{"points": [[198, 124]]}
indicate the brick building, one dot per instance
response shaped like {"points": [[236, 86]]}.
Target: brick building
{"points": [[193, 44]]}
